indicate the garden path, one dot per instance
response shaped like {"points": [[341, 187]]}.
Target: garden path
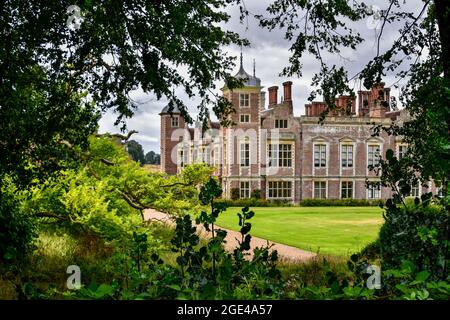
{"points": [[285, 252]]}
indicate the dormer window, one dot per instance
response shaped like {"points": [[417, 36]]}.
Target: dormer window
{"points": [[244, 100]]}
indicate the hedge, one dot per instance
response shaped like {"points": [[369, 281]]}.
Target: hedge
{"points": [[250, 202], [340, 203]]}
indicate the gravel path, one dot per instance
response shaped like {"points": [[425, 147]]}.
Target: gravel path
{"points": [[285, 252]]}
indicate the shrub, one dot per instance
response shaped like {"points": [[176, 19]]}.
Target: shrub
{"points": [[17, 229], [340, 202], [372, 251], [250, 202], [235, 194], [256, 194], [416, 232]]}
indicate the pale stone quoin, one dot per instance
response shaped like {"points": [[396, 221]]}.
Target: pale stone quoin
{"points": [[287, 157]]}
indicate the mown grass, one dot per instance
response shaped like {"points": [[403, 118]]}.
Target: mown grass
{"points": [[338, 231]]}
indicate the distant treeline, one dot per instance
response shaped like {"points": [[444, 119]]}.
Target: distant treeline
{"points": [[136, 151]]}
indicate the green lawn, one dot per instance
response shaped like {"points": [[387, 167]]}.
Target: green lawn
{"points": [[329, 230]]}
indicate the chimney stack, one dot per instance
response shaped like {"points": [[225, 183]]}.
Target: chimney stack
{"points": [[287, 88], [273, 95]]}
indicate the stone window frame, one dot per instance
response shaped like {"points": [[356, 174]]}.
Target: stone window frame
{"points": [[341, 188], [370, 143], [244, 97], [180, 158], [244, 192], [398, 146], [278, 151], [347, 142], [206, 154], [245, 115], [417, 187], [320, 159], [280, 186], [284, 123], [320, 188], [244, 155], [175, 122], [370, 189]]}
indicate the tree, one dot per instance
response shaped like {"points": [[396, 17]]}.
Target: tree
{"points": [[109, 193], [57, 75], [136, 151], [150, 157], [158, 159]]}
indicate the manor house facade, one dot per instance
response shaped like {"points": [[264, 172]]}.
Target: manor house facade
{"points": [[287, 157]]}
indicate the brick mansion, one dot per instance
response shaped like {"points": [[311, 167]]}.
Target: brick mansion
{"points": [[287, 157]]}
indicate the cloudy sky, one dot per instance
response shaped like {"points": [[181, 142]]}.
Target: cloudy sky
{"points": [[271, 53]]}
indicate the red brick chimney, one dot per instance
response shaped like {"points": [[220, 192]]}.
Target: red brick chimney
{"points": [[287, 88], [273, 94]]}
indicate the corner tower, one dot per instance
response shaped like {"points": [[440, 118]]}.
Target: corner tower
{"points": [[241, 142], [171, 122]]}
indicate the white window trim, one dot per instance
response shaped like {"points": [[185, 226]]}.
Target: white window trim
{"points": [[368, 192], [244, 114], [419, 190], [397, 151], [327, 160], [292, 182], [243, 142], [240, 189], [172, 119], [313, 189], [353, 188], [277, 156], [241, 106], [353, 154], [372, 143], [284, 120]]}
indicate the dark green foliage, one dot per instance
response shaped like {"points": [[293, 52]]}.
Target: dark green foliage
{"points": [[184, 242], [372, 251], [152, 158], [136, 151], [201, 271], [208, 193], [417, 233], [235, 194], [340, 202], [56, 81], [244, 243], [17, 228], [256, 194], [251, 202]]}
